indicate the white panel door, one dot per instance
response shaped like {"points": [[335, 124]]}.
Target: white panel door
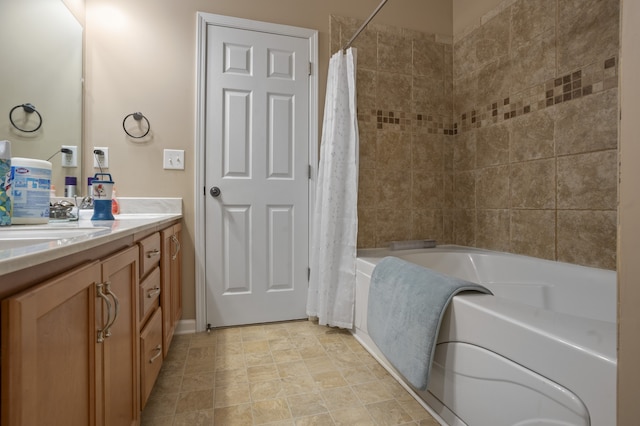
{"points": [[256, 176]]}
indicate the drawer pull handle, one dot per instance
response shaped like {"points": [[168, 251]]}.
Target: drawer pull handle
{"points": [[156, 356], [152, 292], [116, 306], [154, 252]]}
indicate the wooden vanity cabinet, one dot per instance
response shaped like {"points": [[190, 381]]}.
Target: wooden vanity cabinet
{"points": [[70, 347], [171, 295]]}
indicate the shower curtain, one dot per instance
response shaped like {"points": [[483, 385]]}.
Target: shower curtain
{"points": [[335, 220]]}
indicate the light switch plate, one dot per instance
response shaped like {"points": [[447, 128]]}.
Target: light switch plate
{"points": [[173, 159]]}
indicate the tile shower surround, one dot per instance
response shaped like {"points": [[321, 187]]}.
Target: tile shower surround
{"points": [[513, 148]]}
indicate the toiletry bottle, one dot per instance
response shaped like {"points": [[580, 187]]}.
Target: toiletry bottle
{"points": [[70, 184], [5, 184], [115, 206]]}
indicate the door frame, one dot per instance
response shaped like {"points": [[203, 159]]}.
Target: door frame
{"points": [[205, 19]]}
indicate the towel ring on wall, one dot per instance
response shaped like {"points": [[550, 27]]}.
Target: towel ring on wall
{"points": [[28, 109], [138, 116]]}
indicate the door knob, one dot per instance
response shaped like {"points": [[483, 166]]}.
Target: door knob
{"points": [[214, 191]]}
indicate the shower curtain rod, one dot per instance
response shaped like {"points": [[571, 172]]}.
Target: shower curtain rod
{"points": [[363, 26]]}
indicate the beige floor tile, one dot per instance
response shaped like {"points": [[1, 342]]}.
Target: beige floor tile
{"points": [[232, 375], [227, 362], [282, 374], [306, 404], [387, 413], [270, 410], [354, 416], [194, 418], [236, 415], [292, 368], [261, 373], [340, 398], [319, 364], [329, 379], [299, 384], [161, 405], [232, 394], [256, 346], [358, 375], [199, 381], [369, 393], [270, 389], [316, 420], [194, 401], [258, 359]]}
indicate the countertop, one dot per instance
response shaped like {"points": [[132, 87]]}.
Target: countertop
{"points": [[139, 216]]}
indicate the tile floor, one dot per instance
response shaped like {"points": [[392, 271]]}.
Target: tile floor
{"points": [[293, 373]]}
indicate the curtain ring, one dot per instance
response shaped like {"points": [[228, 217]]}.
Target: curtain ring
{"points": [[29, 109], [138, 116]]}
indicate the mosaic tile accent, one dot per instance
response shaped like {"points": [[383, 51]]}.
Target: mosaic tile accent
{"points": [[591, 79], [398, 120]]}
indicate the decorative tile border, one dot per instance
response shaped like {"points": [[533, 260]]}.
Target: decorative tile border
{"points": [[583, 82], [591, 79]]}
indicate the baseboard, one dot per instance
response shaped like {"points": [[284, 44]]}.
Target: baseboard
{"points": [[186, 327]]}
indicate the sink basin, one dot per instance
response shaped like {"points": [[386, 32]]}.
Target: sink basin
{"points": [[15, 237]]}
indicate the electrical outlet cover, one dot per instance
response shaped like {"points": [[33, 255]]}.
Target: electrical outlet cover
{"points": [[103, 159], [70, 160]]}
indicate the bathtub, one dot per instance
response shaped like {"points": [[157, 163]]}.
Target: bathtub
{"points": [[540, 351]]}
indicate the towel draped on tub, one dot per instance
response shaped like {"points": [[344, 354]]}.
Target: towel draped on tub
{"points": [[406, 305]]}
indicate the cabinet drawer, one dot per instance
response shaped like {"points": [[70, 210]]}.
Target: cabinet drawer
{"points": [[151, 355], [150, 293], [149, 253]]}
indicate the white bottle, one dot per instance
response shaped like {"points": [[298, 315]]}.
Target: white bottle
{"points": [[5, 183]]}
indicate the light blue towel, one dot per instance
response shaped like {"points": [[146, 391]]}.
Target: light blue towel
{"points": [[406, 305]]}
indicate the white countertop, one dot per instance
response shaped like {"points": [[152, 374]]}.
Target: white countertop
{"points": [[138, 215]]}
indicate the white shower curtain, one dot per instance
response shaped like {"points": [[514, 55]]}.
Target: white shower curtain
{"points": [[335, 220]]}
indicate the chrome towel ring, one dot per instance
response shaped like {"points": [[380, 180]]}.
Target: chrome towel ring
{"points": [[138, 116], [28, 109]]}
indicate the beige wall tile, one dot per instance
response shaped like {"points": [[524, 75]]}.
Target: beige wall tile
{"points": [[493, 229], [464, 189], [588, 31], [367, 189], [532, 136], [427, 190], [587, 238], [394, 53], [533, 233], [427, 152], [368, 149], [587, 124], [533, 184], [464, 151], [531, 18], [394, 150], [492, 188], [393, 91], [366, 89], [366, 227], [465, 93], [464, 227], [393, 224], [494, 37], [429, 95], [494, 80], [427, 224], [429, 59], [533, 62], [393, 190], [492, 145], [588, 181]]}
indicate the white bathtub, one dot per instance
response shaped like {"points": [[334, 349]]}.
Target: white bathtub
{"points": [[540, 351]]}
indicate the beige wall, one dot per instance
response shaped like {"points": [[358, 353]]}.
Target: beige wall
{"points": [[629, 226], [140, 56], [468, 13]]}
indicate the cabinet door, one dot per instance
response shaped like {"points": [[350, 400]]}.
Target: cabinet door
{"points": [[49, 351], [118, 386], [171, 282]]}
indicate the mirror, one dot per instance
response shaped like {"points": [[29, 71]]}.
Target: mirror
{"points": [[41, 64]]}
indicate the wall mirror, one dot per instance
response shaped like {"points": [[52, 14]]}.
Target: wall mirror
{"points": [[41, 64]]}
